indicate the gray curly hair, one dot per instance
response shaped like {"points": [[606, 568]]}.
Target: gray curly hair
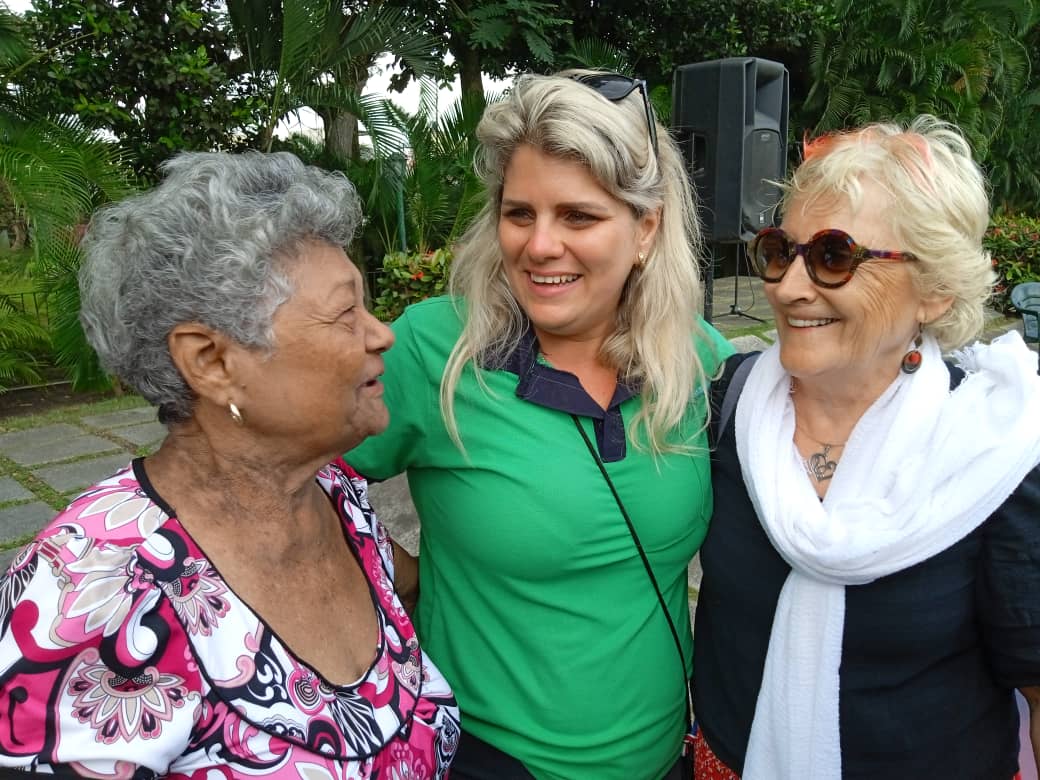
{"points": [[211, 244]]}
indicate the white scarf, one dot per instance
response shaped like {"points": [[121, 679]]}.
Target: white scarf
{"points": [[923, 468]]}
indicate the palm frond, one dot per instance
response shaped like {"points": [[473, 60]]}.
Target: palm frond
{"points": [[596, 54], [71, 350]]}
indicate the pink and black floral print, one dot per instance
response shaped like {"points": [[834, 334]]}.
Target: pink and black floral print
{"points": [[124, 654]]}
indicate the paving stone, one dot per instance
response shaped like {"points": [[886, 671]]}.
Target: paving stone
{"points": [[67, 477], [44, 433], [143, 434], [34, 453], [749, 344], [6, 556], [13, 490], [140, 414], [394, 508], [18, 521]]}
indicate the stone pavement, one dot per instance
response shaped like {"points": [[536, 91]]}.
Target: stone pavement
{"points": [[42, 468], [45, 466]]}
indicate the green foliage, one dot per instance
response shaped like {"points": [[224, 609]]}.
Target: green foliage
{"points": [[497, 37], [967, 61], [594, 54], [55, 173], [431, 178], [410, 277], [21, 339], [317, 53], [532, 22], [160, 75], [71, 350], [669, 33], [1014, 242]]}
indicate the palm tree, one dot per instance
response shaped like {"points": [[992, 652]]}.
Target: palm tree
{"points": [[963, 60], [316, 53], [967, 61], [55, 173], [429, 177]]}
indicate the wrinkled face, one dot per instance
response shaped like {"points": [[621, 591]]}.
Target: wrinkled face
{"points": [[568, 246], [854, 336], [319, 390]]}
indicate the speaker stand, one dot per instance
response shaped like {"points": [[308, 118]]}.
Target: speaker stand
{"points": [[734, 309]]}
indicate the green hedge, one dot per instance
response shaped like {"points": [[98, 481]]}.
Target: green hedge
{"points": [[407, 278], [1014, 242]]}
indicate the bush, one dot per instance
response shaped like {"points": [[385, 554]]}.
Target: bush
{"points": [[1014, 242], [409, 277]]}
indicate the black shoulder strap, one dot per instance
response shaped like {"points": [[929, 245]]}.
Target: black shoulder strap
{"points": [[736, 384]]}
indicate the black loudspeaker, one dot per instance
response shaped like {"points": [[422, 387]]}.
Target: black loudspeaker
{"points": [[730, 119]]}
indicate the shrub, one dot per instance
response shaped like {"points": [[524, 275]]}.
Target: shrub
{"points": [[409, 277], [1014, 241]]}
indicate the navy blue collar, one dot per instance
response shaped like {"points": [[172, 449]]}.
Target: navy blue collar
{"points": [[546, 386]]}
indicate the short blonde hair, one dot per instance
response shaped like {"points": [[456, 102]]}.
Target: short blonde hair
{"points": [[657, 325], [938, 207]]}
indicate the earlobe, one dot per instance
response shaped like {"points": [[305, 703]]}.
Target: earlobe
{"points": [[202, 356]]}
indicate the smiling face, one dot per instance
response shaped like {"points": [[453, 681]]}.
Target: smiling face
{"points": [[852, 338], [568, 246], [319, 391]]}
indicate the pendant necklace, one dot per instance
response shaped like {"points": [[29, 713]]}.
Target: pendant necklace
{"points": [[819, 465]]}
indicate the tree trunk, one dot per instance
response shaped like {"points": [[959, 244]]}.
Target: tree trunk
{"points": [[341, 134], [468, 60]]}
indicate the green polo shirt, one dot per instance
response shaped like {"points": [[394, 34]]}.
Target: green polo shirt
{"points": [[534, 602]]}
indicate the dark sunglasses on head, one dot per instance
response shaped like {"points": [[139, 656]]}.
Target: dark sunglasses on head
{"points": [[831, 256], [615, 87]]}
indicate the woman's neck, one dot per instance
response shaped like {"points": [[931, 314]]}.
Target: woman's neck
{"points": [[581, 357], [828, 413], [223, 485]]}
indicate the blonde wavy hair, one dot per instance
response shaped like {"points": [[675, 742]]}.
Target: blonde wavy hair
{"points": [[654, 338], [938, 207]]}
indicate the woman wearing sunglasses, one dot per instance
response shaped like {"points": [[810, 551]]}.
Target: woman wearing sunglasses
{"points": [[871, 592], [570, 363]]}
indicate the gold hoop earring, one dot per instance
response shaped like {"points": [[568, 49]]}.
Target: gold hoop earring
{"points": [[235, 414]]}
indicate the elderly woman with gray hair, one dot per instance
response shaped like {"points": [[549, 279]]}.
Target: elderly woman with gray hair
{"points": [[227, 604]]}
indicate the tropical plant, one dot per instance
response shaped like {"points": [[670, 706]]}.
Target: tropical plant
{"points": [[316, 53], [55, 173], [410, 277], [497, 37], [594, 54], [429, 183], [159, 75], [668, 33], [22, 339], [967, 61], [1014, 242]]}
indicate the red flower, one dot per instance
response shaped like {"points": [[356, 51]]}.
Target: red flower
{"points": [[417, 275]]}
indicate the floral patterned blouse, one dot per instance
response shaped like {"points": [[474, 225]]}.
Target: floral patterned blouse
{"points": [[123, 653]]}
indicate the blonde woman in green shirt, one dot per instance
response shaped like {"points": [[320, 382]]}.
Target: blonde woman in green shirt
{"points": [[569, 355]]}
